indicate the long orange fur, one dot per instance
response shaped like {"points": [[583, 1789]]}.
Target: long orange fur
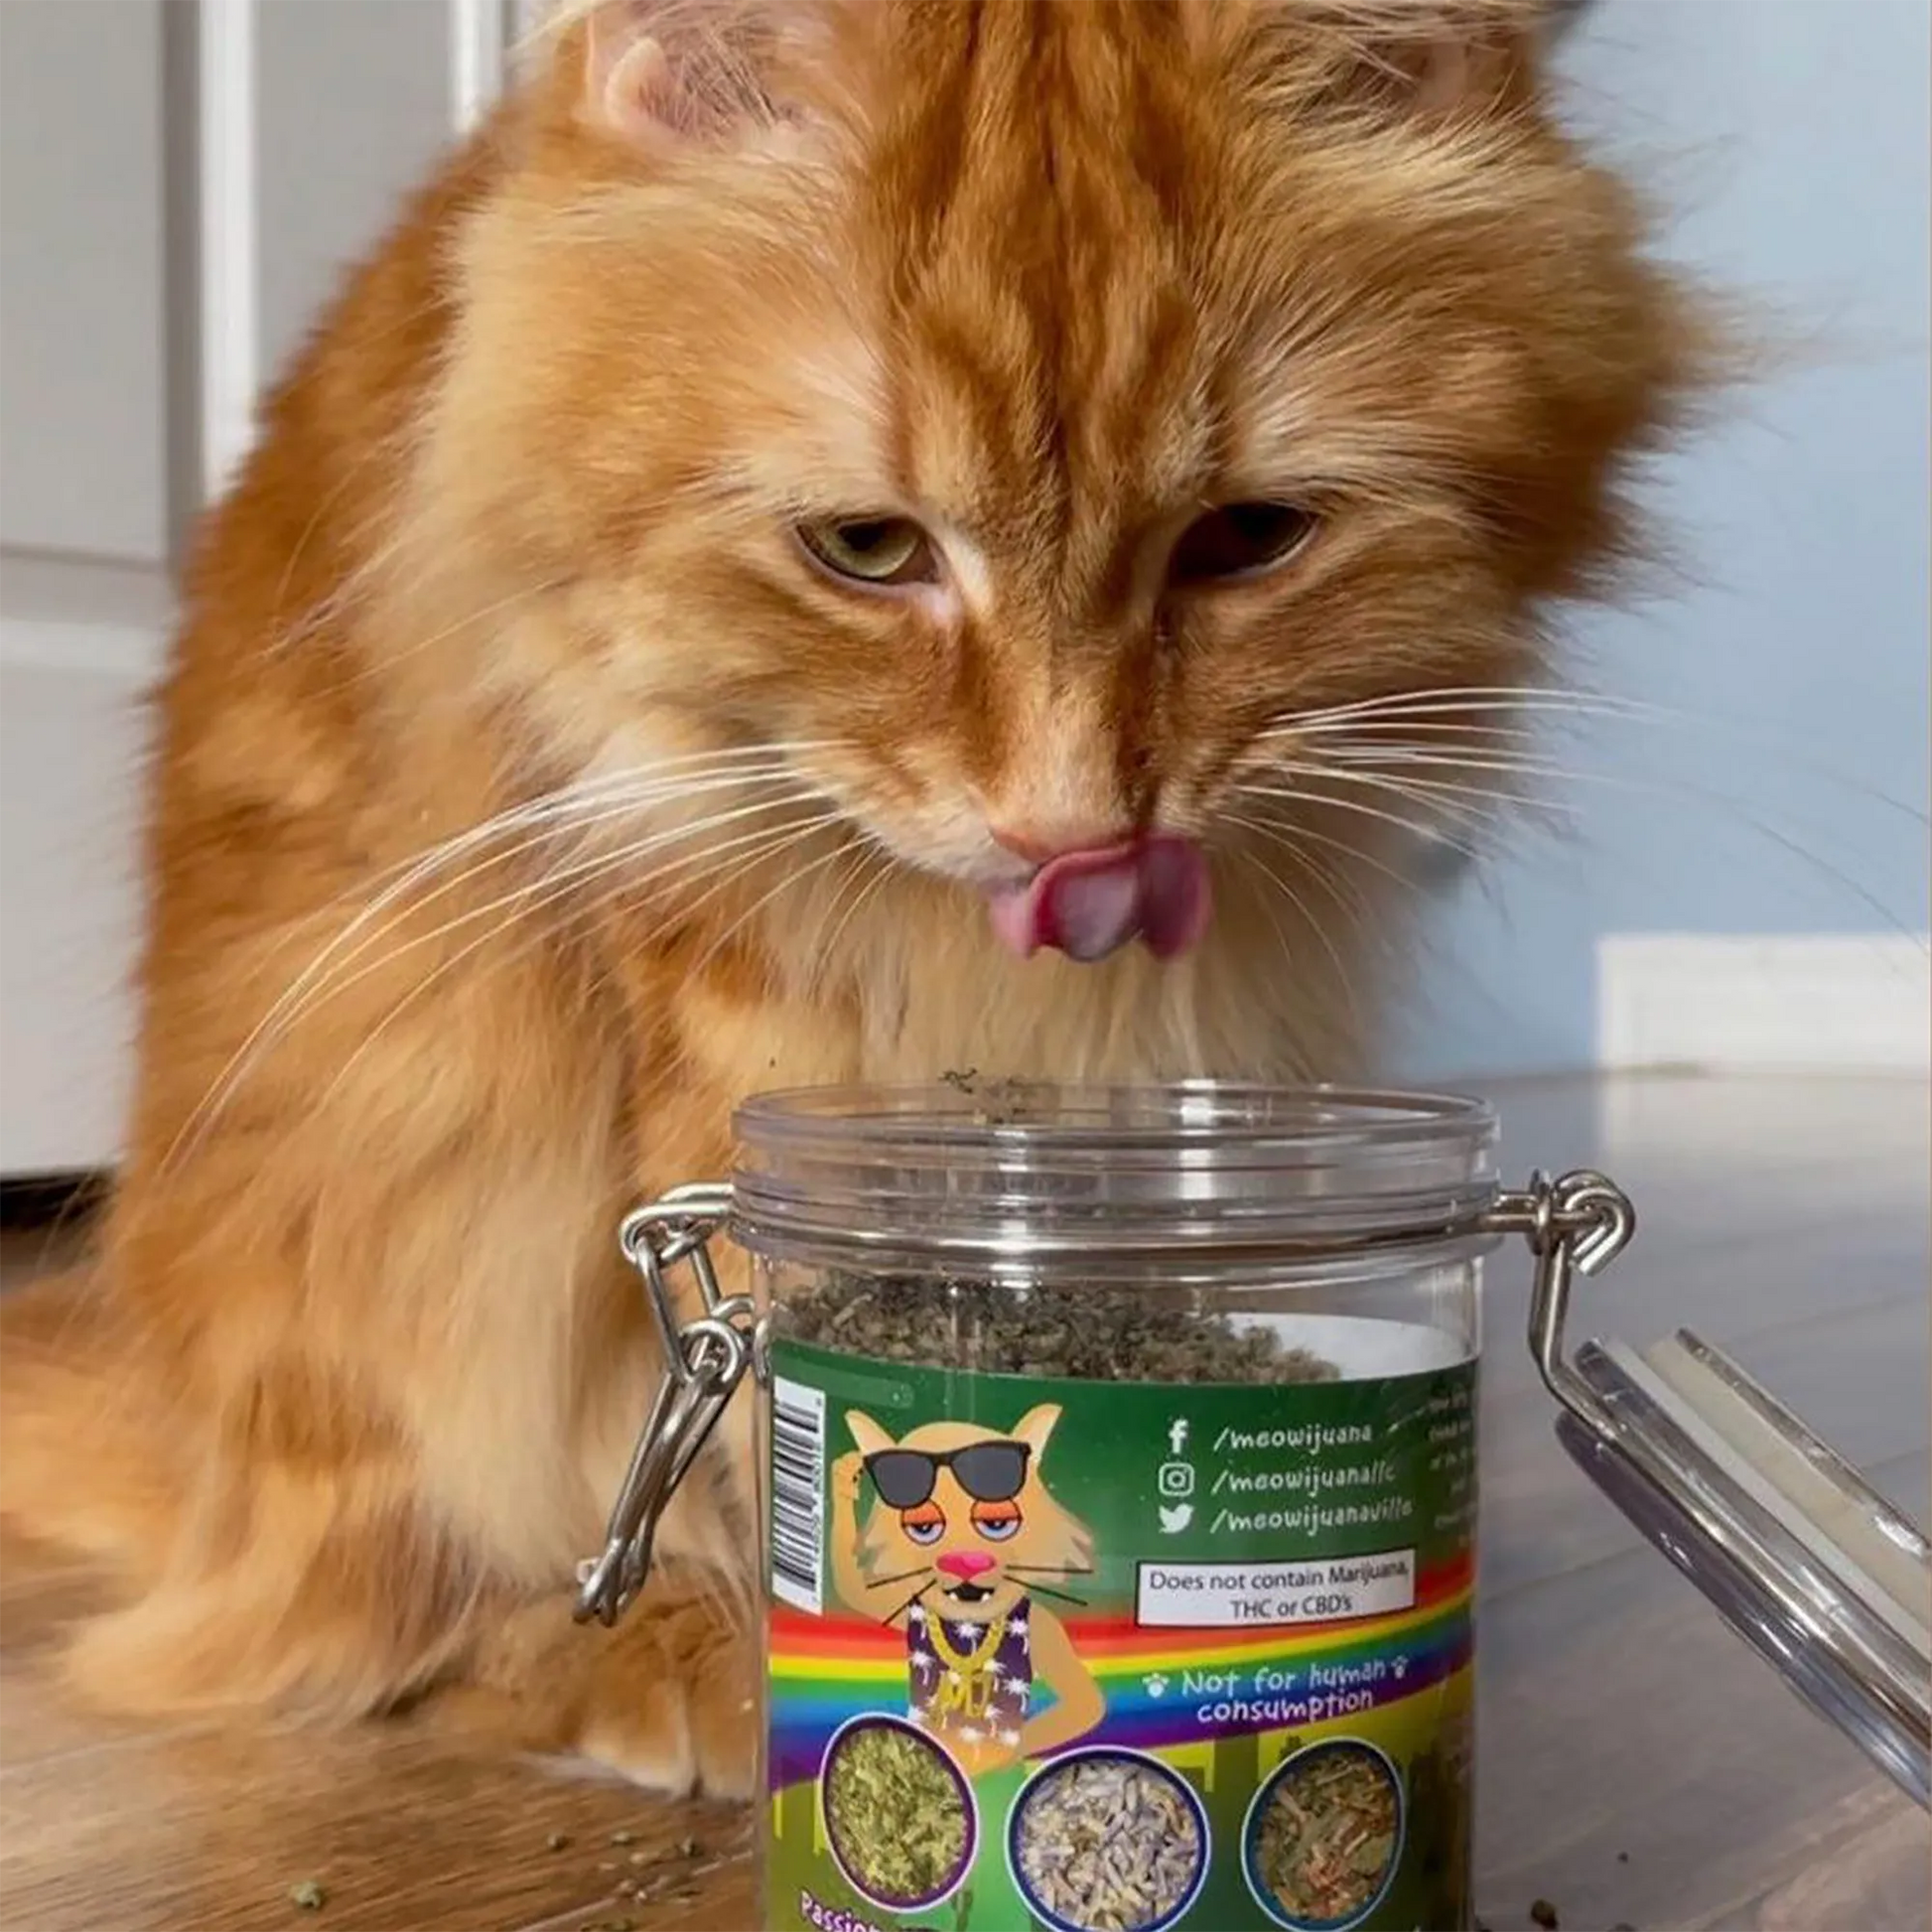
{"points": [[352, 1379]]}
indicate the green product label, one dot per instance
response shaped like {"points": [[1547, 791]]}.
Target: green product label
{"points": [[1069, 1656]]}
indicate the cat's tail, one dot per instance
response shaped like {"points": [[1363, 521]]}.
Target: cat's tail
{"points": [[85, 1450]]}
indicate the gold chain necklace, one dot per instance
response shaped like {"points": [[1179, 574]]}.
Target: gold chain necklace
{"points": [[967, 1687]]}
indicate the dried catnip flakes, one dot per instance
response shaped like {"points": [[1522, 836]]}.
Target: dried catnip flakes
{"points": [[1326, 1835], [896, 1812], [1108, 1844], [1083, 1334]]}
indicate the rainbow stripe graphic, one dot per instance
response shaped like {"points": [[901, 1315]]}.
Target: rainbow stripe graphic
{"points": [[1164, 1687]]}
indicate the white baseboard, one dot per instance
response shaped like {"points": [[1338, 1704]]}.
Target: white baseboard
{"points": [[1802, 1003]]}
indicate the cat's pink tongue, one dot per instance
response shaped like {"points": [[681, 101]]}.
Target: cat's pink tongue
{"points": [[1089, 904]]}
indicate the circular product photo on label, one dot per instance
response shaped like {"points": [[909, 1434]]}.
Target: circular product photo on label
{"points": [[1324, 1836], [1107, 1841], [899, 1813]]}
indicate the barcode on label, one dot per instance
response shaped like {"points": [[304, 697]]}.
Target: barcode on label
{"points": [[798, 1495]]}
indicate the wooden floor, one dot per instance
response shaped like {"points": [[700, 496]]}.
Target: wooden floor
{"points": [[1641, 1768]]}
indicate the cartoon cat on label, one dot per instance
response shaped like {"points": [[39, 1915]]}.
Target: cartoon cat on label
{"points": [[962, 1532]]}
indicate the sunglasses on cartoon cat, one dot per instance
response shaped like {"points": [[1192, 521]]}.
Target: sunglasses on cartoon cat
{"points": [[989, 1472]]}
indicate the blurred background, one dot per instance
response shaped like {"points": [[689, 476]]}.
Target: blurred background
{"points": [[1730, 871]]}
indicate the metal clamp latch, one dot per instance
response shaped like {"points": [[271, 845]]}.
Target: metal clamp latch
{"points": [[704, 1361], [1574, 1226]]}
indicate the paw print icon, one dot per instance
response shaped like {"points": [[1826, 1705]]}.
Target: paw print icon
{"points": [[1157, 1684]]}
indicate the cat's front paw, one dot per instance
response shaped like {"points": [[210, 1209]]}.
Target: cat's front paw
{"points": [[675, 1709], [668, 1698]]}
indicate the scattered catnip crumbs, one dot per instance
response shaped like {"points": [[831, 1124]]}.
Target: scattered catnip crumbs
{"points": [[1543, 1913], [308, 1896]]}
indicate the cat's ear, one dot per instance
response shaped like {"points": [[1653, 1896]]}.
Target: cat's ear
{"points": [[869, 1438], [1035, 1426], [670, 75]]}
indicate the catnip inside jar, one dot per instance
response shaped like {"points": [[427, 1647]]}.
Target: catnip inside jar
{"points": [[1118, 1458]]}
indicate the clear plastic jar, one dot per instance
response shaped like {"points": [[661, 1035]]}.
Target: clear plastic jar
{"points": [[1117, 1453], [1119, 1486]]}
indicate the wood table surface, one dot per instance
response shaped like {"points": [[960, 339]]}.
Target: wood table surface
{"points": [[1640, 1767]]}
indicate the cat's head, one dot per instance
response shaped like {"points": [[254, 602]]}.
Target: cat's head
{"points": [[962, 1515], [1015, 416]]}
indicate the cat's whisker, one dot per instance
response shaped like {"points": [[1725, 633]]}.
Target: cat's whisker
{"points": [[1343, 979], [1439, 791], [1508, 700], [1414, 827], [1267, 903], [625, 806], [1445, 712], [324, 973], [1320, 872], [622, 789], [1375, 733], [855, 887], [548, 886], [514, 600], [637, 784], [876, 864], [1289, 832], [583, 906], [361, 932], [1479, 808], [773, 843], [1058, 1595], [752, 911], [893, 1615]]}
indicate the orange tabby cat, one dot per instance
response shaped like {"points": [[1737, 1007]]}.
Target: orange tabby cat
{"points": [[825, 546]]}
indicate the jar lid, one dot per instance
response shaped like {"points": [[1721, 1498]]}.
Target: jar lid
{"points": [[1023, 1174], [1829, 1582]]}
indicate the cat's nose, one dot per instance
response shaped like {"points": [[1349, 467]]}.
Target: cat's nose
{"points": [[1040, 842], [964, 1563]]}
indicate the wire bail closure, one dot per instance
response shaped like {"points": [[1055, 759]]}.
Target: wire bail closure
{"points": [[1577, 1225], [704, 1361]]}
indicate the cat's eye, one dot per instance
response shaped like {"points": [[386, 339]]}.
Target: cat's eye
{"points": [[1238, 540], [877, 551], [996, 1521], [925, 1527]]}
